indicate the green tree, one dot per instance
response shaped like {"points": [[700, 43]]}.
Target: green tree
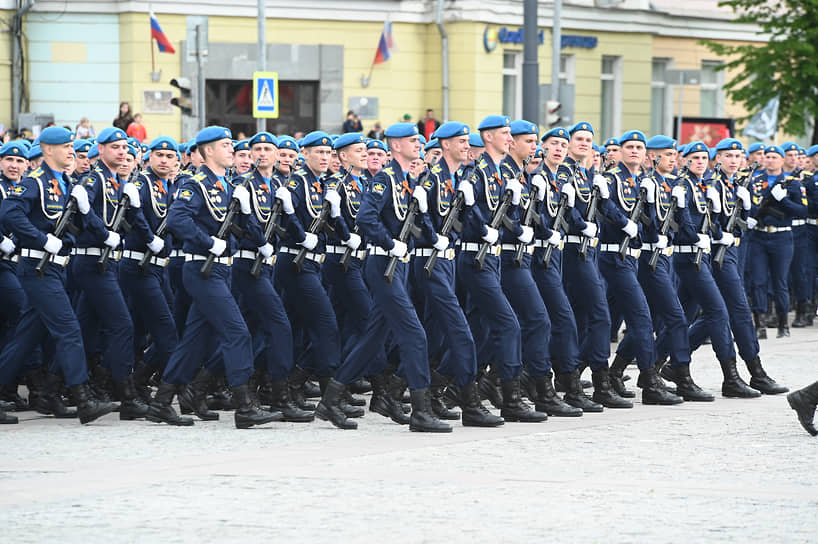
{"points": [[786, 66]]}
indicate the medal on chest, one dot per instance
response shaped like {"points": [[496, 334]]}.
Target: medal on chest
{"points": [[315, 197], [401, 194], [494, 188], [445, 194], [261, 201], [699, 196], [663, 200], [627, 191], [352, 194]]}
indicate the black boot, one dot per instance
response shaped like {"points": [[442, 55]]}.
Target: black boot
{"points": [[89, 408], [616, 373], [311, 389], [438, 387], [604, 393], [281, 402], [359, 387], [160, 409], [385, 404], [131, 406], [574, 395], [685, 386], [328, 408], [297, 378], [349, 409], [545, 399], [783, 328], [803, 402], [193, 396], [265, 389], [733, 385], [488, 386], [141, 376], [219, 396], [474, 413], [8, 393], [101, 383], [50, 401], [247, 414], [423, 419], [810, 313], [761, 381], [800, 320], [761, 327], [351, 399], [6, 419], [654, 390], [514, 408], [397, 386]]}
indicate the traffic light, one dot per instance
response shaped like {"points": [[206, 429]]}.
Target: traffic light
{"points": [[184, 101], [552, 113]]}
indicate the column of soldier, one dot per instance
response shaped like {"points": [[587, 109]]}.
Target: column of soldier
{"points": [[497, 266]]}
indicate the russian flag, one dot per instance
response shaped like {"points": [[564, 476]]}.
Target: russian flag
{"points": [[162, 41], [385, 45]]}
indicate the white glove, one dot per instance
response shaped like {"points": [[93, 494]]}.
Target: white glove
{"points": [[556, 238], [713, 196], [704, 241], [132, 193], [334, 200], [590, 230], [241, 194], [527, 235], [516, 189], [726, 239], [467, 189], [744, 195], [663, 241], [399, 250], [538, 182], [650, 187], [112, 240], [156, 245], [267, 250], [491, 235], [419, 194], [678, 193], [310, 241], [778, 192], [81, 196], [218, 246], [442, 243], [283, 194], [630, 229], [7, 245], [53, 244], [570, 193], [602, 184], [353, 242], [751, 223]]}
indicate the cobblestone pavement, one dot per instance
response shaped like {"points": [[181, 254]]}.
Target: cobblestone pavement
{"points": [[727, 471]]}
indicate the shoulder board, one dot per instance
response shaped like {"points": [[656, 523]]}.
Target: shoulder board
{"points": [[614, 170], [670, 176], [247, 175], [389, 171], [36, 173], [378, 188], [199, 177], [482, 163], [337, 175], [300, 172], [436, 169]]}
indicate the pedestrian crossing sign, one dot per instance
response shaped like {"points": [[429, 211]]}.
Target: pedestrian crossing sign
{"points": [[265, 95]]}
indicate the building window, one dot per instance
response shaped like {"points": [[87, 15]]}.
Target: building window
{"points": [[660, 99], [512, 84], [611, 100], [567, 69], [711, 92]]}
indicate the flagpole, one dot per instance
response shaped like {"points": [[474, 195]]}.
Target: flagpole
{"points": [[153, 60]]}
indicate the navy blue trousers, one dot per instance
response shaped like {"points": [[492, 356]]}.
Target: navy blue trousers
{"points": [[771, 255]]}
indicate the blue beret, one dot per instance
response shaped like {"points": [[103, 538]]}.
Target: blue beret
{"points": [[163, 142], [13, 149], [597, 149], [212, 134], [111, 134], [801, 150], [56, 136], [694, 147], [287, 142], [133, 141], [812, 151], [450, 129], [774, 149], [789, 146], [523, 127], [144, 148], [93, 152], [539, 154], [610, 141], [661, 142], [475, 140], [191, 145], [147, 155], [334, 137], [729, 144], [422, 139], [377, 144], [263, 138], [633, 136], [756, 146], [711, 153], [182, 148], [81, 146], [401, 130], [35, 152], [494, 121], [133, 150], [241, 145], [348, 139], [557, 132], [433, 144], [316, 138], [582, 125]]}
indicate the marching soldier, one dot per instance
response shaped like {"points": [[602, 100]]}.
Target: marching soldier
{"points": [[241, 157]]}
